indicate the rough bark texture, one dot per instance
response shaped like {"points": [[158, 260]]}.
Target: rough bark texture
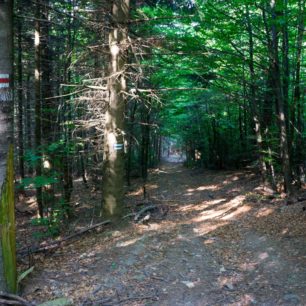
{"points": [[5, 100], [113, 178]]}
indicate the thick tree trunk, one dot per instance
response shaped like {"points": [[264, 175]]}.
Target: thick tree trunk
{"points": [[6, 73], [113, 176]]}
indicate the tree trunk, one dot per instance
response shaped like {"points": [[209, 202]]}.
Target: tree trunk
{"points": [[253, 102], [7, 224], [145, 144], [297, 101], [130, 143], [286, 64], [37, 42], [279, 96], [113, 176], [20, 101]]}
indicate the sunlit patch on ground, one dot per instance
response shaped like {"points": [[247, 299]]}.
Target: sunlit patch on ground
{"points": [[202, 188], [264, 212], [220, 240], [208, 227]]}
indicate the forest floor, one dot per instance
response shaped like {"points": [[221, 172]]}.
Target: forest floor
{"points": [[217, 238]]}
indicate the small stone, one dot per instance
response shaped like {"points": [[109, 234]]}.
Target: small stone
{"points": [[222, 269], [229, 286], [116, 234], [188, 284]]}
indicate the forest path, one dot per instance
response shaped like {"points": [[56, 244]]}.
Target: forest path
{"points": [[221, 243]]}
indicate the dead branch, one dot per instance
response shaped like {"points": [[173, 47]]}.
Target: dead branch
{"points": [[142, 211], [59, 243], [12, 299]]}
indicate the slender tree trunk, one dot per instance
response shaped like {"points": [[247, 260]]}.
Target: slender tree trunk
{"points": [[145, 144], [46, 71], [253, 102], [297, 101], [67, 161], [37, 42], [113, 178], [28, 118], [130, 143], [279, 95], [6, 108], [286, 64], [20, 101]]}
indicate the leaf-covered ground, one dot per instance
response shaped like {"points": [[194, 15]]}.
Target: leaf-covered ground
{"points": [[217, 238]]}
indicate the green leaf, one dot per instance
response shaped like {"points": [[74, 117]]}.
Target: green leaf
{"points": [[24, 274]]}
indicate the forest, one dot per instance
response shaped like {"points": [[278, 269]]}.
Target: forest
{"points": [[152, 152]]}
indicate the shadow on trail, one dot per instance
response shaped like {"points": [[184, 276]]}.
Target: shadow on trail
{"points": [[221, 243]]}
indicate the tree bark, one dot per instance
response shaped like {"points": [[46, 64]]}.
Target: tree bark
{"points": [[6, 74], [20, 101], [279, 96], [297, 101], [253, 102], [37, 42], [113, 176]]}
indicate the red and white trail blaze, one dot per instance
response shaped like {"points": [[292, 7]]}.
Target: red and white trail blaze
{"points": [[4, 80]]}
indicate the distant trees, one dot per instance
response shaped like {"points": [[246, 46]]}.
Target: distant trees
{"points": [[111, 77], [247, 56]]}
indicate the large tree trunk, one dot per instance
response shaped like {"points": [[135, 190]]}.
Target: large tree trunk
{"points": [[7, 233], [113, 176]]}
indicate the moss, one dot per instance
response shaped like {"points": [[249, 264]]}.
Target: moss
{"points": [[7, 225]]}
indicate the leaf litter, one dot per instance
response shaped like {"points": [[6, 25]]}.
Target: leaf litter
{"points": [[222, 242]]}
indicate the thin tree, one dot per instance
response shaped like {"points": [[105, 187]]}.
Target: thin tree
{"points": [[37, 42]]}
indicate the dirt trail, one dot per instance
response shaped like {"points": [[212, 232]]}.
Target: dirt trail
{"points": [[221, 243]]}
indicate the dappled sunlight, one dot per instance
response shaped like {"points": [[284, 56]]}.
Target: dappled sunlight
{"points": [[200, 206], [209, 215], [204, 228], [248, 266], [128, 242], [224, 211], [263, 256], [246, 299], [242, 210], [264, 212], [202, 188], [139, 190]]}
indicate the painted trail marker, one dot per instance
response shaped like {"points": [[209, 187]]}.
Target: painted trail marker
{"points": [[4, 80], [118, 146]]}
